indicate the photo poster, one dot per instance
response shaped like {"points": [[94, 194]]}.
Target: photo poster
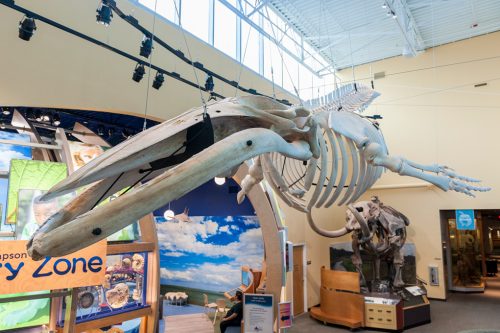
{"points": [[28, 174], [83, 153], [11, 152], [32, 213], [258, 311]]}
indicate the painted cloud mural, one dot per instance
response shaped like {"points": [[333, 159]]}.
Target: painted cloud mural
{"points": [[208, 252]]}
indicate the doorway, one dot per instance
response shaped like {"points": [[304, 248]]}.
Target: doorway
{"points": [[471, 255], [299, 279]]}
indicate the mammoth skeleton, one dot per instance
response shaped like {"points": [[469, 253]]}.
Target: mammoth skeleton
{"points": [[330, 151], [370, 220]]}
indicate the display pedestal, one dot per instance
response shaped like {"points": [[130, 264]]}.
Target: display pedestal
{"points": [[383, 312], [417, 311]]}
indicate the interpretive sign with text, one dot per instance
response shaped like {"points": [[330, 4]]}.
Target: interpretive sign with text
{"points": [[20, 273], [258, 312]]}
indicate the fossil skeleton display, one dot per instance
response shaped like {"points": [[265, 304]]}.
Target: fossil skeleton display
{"points": [[371, 221], [330, 150]]}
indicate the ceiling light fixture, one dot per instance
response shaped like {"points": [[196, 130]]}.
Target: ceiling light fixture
{"points": [[158, 81], [139, 72], [27, 28], [38, 115], [220, 180], [393, 14], [384, 5], [100, 130], [46, 117], [56, 119], [6, 111], [146, 47], [104, 13]]}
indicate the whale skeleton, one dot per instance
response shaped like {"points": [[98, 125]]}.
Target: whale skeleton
{"points": [[314, 155]]}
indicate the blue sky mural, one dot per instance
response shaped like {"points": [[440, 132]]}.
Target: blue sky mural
{"points": [[208, 252], [10, 152]]}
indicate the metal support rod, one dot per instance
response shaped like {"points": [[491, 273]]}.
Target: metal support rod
{"points": [[36, 296], [29, 144]]}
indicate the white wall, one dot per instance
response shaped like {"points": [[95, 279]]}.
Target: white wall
{"points": [[430, 116]]}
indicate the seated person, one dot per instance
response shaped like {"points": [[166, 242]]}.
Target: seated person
{"points": [[234, 315]]}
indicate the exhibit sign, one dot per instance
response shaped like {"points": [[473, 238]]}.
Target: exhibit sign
{"points": [[20, 273], [465, 219], [258, 312], [285, 315]]}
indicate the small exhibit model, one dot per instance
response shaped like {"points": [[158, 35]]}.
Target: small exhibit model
{"points": [[380, 231], [330, 145]]}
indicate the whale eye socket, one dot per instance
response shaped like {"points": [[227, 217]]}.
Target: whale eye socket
{"points": [[359, 209]]}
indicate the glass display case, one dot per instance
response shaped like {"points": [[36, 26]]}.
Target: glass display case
{"points": [[124, 289]]}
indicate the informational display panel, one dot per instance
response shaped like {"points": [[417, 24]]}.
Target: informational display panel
{"points": [[20, 273], [27, 174], [258, 312], [285, 315], [465, 219]]}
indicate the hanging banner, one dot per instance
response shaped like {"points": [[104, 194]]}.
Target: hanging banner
{"points": [[20, 273], [258, 312], [285, 315], [465, 219]]}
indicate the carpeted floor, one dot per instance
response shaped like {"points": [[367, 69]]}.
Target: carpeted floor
{"points": [[476, 313]]}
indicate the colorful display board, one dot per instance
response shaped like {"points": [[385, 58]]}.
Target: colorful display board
{"points": [[124, 288], [27, 174], [20, 273], [23, 313]]}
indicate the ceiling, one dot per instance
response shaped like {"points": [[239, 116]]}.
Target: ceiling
{"points": [[356, 32], [113, 128]]}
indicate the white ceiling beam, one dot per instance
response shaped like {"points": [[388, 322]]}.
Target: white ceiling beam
{"points": [[407, 25], [258, 7]]}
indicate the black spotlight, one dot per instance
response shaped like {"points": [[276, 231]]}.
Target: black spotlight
{"points": [[111, 132], [209, 83], [158, 81], [146, 47], [138, 72], [100, 130], [104, 13], [125, 133], [27, 27], [6, 111], [56, 119]]}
